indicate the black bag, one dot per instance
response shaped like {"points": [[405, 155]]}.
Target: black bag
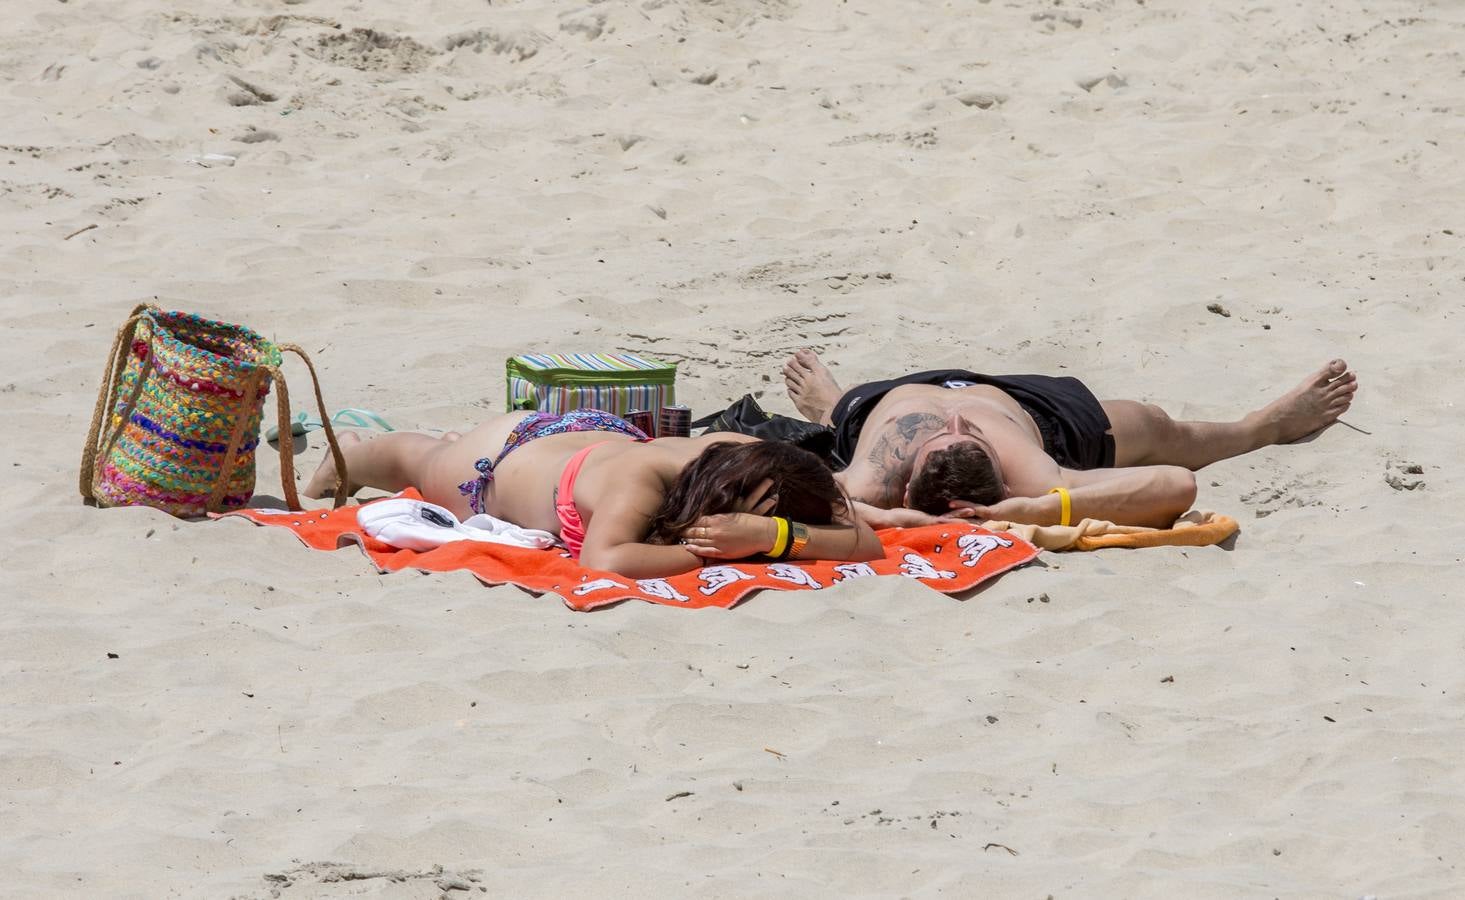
{"points": [[745, 416]]}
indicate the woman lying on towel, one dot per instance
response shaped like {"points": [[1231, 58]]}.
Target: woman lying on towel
{"points": [[618, 500]]}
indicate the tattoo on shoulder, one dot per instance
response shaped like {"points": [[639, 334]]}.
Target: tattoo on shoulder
{"points": [[892, 453], [912, 424]]}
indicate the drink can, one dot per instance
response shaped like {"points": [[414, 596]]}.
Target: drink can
{"points": [[676, 421], [643, 419]]}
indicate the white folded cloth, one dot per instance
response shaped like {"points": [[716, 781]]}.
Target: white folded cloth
{"points": [[419, 525]]}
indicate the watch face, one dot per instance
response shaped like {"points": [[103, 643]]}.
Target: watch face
{"points": [[798, 540]]}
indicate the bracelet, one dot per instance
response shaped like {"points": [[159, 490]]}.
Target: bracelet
{"points": [[780, 543], [1066, 505], [799, 539]]}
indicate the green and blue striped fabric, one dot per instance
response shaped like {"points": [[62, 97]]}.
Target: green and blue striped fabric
{"points": [[615, 382]]}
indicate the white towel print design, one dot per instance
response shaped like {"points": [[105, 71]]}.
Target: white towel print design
{"points": [[661, 589], [597, 584], [917, 566], [849, 571], [715, 578], [793, 574], [975, 546]]}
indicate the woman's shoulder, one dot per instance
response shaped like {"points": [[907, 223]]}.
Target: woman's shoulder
{"points": [[684, 450], [703, 441]]}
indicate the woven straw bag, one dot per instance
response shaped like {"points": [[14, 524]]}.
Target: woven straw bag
{"points": [[177, 417]]}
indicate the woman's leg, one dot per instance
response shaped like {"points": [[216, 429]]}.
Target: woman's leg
{"points": [[389, 462], [435, 466]]}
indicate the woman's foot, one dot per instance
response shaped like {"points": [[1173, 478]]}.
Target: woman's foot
{"points": [[811, 386], [1314, 404], [323, 482]]}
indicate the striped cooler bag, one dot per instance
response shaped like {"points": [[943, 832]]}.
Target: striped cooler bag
{"points": [[615, 382]]}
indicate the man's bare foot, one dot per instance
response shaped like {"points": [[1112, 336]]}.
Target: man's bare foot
{"points": [[811, 386], [1314, 404], [323, 482]]}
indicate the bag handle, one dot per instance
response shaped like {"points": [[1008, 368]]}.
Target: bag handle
{"points": [[96, 446], [221, 483], [286, 458]]}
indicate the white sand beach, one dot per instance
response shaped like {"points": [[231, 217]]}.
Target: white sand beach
{"points": [[1194, 204]]}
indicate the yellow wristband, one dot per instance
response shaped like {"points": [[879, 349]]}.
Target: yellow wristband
{"points": [[780, 543], [1066, 517]]}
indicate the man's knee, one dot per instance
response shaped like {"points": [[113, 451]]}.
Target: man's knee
{"points": [[1179, 490], [1185, 486]]}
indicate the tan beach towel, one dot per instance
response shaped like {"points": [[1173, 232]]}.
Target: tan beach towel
{"points": [[1194, 529]]}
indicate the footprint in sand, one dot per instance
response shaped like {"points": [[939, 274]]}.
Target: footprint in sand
{"points": [[517, 45], [369, 50], [1050, 20], [590, 24], [309, 877], [981, 99], [1269, 499], [1101, 83], [1404, 476], [257, 136]]}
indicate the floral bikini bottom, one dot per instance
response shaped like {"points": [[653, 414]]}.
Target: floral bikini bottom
{"points": [[543, 424]]}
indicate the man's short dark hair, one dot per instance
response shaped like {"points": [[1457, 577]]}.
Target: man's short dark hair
{"points": [[960, 472]]}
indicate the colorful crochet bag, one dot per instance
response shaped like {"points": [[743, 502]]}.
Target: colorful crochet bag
{"points": [[614, 382], [177, 418]]}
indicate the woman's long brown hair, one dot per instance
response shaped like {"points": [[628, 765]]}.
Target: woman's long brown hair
{"points": [[726, 471]]}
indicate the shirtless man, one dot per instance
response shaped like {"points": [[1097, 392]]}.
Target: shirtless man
{"points": [[934, 443]]}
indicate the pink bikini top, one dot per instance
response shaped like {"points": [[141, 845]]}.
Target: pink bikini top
{"points": [[572, 527]]}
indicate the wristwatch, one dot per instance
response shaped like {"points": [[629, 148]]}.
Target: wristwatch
{"points": [[798, 539]]}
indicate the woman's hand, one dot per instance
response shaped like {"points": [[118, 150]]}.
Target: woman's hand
{"points": [[731, 535], [758, 501]]}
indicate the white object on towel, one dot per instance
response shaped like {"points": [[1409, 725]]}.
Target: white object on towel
{"points": [[418, 525]]}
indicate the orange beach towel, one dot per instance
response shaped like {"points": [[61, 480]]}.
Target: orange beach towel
{"points": [[949, 558]]}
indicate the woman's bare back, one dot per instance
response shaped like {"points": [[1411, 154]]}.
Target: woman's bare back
{"points": [[523, 487]]}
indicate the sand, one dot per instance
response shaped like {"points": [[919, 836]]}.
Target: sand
{"points": [[420, 190]]}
